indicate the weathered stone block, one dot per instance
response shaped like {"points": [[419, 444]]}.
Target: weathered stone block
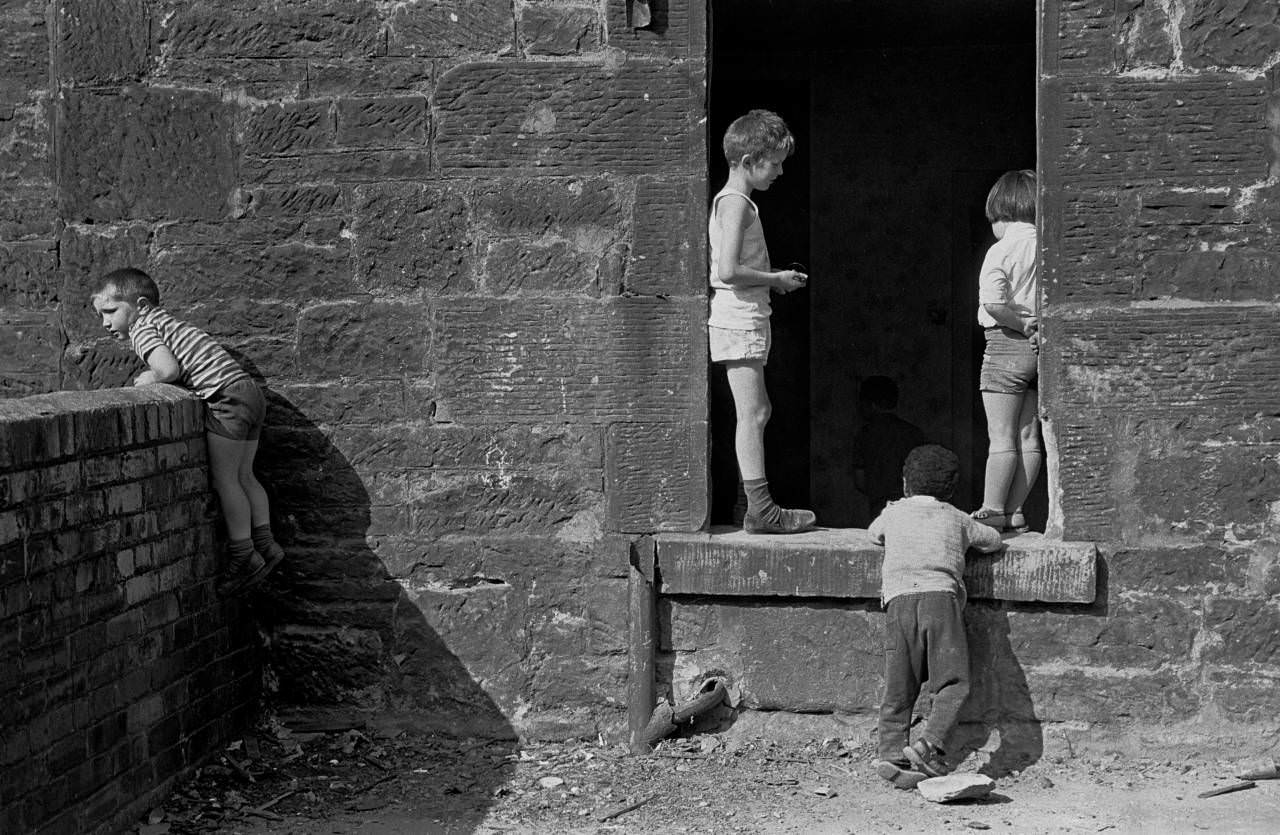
{"points": [[587, 207], [320, 664], [306, 405], [1094, 697], [294, 272], [24, 54], [28, 211], [1230, 33], [295, 201], [1136, 631], [289, 128], [625, 359], [1245, 697], [379, 76], [668, 248], [247, 29], [103, 363], [382, 122], [363, 339], [30, 345], [28, 275], [1144, 34], [805, 658], [656, 476], [264, 79], [451, 28], [144, 152], [516, 268], [101, 41], [363, 166], [410, 236], [559, 30], [558, 118], [515, 502], [422, 446], [843, 563], [1118, 132], [1171, 571], [1243, 630], [24, 145]]}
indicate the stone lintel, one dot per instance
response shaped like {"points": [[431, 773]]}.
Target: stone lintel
{"points": [[842, 563]]}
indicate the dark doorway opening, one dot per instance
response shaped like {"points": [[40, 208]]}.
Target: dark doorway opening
{"points": [[904, 115]]}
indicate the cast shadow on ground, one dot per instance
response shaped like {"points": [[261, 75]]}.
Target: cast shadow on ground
{"points": [[343, 635], [1000, 710]]}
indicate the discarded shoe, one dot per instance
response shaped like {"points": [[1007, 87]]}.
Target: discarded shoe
{"points": [[900, 775], [997, 519], [790, 521], [925, 758]]}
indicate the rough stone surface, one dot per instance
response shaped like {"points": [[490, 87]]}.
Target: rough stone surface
{"points": [[101, 41], [143, 153], [560, 30], [411, 236]]}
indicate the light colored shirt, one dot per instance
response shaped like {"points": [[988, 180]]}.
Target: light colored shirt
{"points": [[925, 541], [738, 308], [1008, 274], [206, 366]]}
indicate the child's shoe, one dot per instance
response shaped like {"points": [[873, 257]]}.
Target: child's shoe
{"points": [[242, 573], [997, 519], [789, 521], [925, 758], [900, 774], [1017, 523]]}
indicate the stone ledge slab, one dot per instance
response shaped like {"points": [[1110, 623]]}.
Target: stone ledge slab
{"points": [[842, 562]]}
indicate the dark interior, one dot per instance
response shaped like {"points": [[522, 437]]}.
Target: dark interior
{"points": [[904, 115]]}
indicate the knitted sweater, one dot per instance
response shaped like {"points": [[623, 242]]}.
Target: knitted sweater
{"points": [[925, 541]]}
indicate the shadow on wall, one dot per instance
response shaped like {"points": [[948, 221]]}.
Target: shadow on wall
{"points": [[341, 634]]}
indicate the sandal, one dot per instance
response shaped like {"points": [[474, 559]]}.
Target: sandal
{"points": [[1017, 523], [997, 519]]}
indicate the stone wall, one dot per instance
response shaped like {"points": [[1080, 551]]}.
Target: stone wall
{"points": [[122, 667], [460, 243]]}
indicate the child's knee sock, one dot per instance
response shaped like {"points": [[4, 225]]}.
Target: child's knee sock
{"points": [[760, 502], [265, 543], [241, 552]]}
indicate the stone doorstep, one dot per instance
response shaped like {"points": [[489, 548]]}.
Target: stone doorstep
{"points": [[842, 563]]}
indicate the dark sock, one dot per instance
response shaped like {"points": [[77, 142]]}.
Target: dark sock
{"points": [[760, 503], [240, 551], [263, 541]]}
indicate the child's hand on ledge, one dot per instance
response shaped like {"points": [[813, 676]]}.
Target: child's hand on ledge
{"points": [[146, 378]]}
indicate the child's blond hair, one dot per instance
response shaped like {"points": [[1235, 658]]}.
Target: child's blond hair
{"points": [[755, 135]]}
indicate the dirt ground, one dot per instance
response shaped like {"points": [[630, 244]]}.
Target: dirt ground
{"points": [[282, 779]]}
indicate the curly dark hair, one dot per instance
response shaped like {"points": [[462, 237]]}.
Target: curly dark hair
{"points": [[931, 470]]}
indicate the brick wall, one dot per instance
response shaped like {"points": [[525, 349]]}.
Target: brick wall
{"points": [[121, 666]]}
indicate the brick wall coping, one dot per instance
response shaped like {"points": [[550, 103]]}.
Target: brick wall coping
{"points": [[842, 563], [48, 427]]}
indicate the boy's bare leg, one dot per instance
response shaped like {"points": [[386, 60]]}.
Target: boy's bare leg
{"points": [[1030, 454], [751, 403], [259, 507], [1002, 411], [225, 455]]}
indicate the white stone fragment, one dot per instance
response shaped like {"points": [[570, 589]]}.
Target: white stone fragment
{"points": [[956, 787]]}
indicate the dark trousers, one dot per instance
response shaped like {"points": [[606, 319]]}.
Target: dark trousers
{"points": [[924, 645]]}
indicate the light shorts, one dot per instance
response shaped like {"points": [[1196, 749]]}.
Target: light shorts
{"points": [[1008, 363], [236, 411], [730, 344]]}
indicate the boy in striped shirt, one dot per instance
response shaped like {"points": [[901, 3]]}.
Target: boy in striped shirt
{"points": [[176, 352], [925, 541]]}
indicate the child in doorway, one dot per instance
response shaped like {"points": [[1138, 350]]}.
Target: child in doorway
{"points": [[176, 352], [741, 279], [925, 540], [882, 444], [1009, 306]]}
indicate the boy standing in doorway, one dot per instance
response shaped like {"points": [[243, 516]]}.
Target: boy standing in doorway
{"points": [[755, 146]]}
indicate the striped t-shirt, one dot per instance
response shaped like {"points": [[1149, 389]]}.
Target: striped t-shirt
{"points": [[206, 366]]}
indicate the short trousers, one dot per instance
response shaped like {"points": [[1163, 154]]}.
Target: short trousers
{"points": [[236, 411], [730, 344], [1008, 363]]}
